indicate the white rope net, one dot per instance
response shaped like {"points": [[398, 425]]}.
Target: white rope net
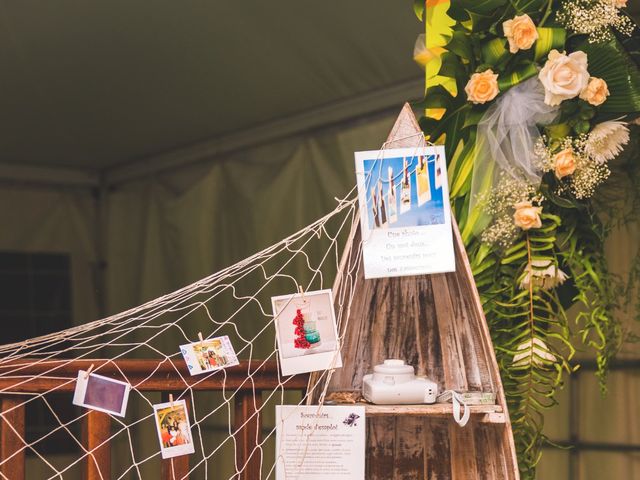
{"points": [[235, 301]]}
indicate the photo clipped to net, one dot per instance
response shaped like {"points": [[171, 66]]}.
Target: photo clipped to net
{"points": [[405, 216], [174, 430], [101, 393], [306, 332], [209, 355]]}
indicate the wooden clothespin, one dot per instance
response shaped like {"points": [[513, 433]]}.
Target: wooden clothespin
{"points": [[86, 374], [301, 290], [171, 400], [201, 339]]}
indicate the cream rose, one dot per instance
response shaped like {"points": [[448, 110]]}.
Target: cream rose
{"points": [[564, 76], [520, 32], [564, 162], [482, 87], [527, 216], [596, 91]]}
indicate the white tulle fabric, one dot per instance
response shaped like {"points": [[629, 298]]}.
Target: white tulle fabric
{"points": [[507, 134]]}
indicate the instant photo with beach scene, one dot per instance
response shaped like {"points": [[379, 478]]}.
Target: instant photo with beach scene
{"points": [[405, 216], [403, 191]]}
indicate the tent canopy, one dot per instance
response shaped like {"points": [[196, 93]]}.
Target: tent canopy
{"points": [[101, 85]]}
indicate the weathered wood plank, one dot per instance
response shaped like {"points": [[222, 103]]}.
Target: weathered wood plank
{"points": [[434, 410], [38, 376], [409, 454], [463, 452], [248, 434], [380, 448], [12, 430], [96, 432], [436, 447], [453, 365]]}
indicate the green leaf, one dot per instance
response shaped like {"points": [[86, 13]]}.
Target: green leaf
{"points": [[612, 63], [528, 6], [548, 39], [514, 257], [482, 7], [481, 23], [460, 44], [474, 116], [508, 80], [559, 130], [436, 97], [452, 66], [494, 50], [418, 9]]}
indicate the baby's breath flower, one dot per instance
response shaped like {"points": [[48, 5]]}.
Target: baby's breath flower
{"points": [[499, 204], [594, 18], [589, 172]]}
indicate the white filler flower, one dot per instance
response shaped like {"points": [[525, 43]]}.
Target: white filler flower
{"points": [[535, 352], [545, 275], [606, 140]]}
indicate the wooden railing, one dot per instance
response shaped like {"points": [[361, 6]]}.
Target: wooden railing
{"points": [[248, 380]]}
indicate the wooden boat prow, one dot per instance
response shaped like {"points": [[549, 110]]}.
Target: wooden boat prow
{"points": [[435, 323]]}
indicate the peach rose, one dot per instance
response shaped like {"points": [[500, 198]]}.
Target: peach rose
{"points": [[563, 76], [527, 216], [520, 32], [596, 91], [619, 3], [482, 87], [564, 163]]}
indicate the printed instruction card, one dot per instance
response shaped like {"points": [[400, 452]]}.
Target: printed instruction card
{"points": [[320, 442], [405, 216]]}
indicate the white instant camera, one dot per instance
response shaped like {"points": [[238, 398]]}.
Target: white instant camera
{"points": [[394, 383]]}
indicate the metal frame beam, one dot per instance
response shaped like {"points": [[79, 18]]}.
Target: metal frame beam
{"points": [[353, 108], [49, 176], [372, 103]]}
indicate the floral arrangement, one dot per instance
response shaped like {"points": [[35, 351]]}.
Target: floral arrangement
{"points": [[537, 104]]}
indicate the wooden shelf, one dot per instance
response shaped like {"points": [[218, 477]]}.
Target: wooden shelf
{"points": [[486, 413]]}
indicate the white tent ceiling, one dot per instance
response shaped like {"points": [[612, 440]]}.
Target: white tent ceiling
{"points": [[117, 86]]}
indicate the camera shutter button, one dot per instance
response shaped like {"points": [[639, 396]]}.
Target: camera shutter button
{"points": [[394, 362]]}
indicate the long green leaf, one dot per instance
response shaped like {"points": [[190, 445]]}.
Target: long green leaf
{"points": [[612, 63]]}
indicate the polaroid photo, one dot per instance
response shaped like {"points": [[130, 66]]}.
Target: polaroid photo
{"points": [[422, 181], [174, 430], [418, 237], [392, 199], [101, 393], [306, 332], [209, 355], [439, 167], [405, 188], [382, 207]]}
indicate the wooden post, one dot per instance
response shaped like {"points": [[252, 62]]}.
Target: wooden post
{"points": [[177, 468], [248, 433], [12, 438], [96, 431]]}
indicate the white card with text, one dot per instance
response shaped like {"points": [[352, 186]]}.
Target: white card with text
{"points": [[405, 216], [320, 442]]}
